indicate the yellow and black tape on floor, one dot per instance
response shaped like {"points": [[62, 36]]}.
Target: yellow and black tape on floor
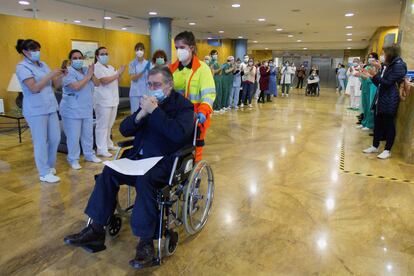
{"points": [[342, 168]]}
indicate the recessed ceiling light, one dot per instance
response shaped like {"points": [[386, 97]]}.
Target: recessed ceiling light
{"points": [[262, 19], [255, 41], [349, 39], [240, 37], [298, 40], [24, 3], [209, 38], [349, 34], [348, 27], [77, 21], [192, 23], [236, 5], [349, 48], [266, 48], [305, 48], [221, 32], [123, 28], [152, 13], [107, 17], [290, 35], [279, 29], [349, 14]]}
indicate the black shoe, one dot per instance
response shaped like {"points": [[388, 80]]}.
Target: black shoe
{"points": [[88, 239], [144, 256]]}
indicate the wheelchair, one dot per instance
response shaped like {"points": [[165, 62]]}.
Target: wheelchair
{"points": [[186, 200]]}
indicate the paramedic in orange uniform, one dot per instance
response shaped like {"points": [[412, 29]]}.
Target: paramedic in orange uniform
{"points": [[193, 79]]}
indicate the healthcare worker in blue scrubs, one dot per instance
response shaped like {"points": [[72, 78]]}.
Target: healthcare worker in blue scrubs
{"points": [[76, 109], [40, 106], [138, 71]]}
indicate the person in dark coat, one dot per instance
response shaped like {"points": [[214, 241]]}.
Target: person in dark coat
{"points": [[387, 99], [264, 82], [162, 125]]}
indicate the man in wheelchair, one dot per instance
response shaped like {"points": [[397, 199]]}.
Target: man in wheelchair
{"points": [[162, 125]]}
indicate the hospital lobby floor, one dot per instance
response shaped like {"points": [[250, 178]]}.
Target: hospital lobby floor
{"points": [[294, 195]]}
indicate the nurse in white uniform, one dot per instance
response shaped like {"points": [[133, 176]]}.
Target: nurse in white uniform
{"points": [[353, 88], [76, 109], [40, 106], [106, 100], [138, 71]]}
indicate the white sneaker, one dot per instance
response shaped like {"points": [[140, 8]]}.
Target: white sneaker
{"points": [[287, 95], [236, 107], [371, 149], [53, 171], [113, 148], [75, 166], [359, 126], [365, 129], [385, 154], [242, 105], [283, 95], [94, 159], [105, 154], [250, 106], [50, 178], [216, 111]]}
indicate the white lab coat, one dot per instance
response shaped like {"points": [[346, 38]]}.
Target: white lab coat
{"points": [[353, 87], [287, 73]]}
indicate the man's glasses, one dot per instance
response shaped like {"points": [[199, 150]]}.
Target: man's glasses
{"points": [[155, 85]]}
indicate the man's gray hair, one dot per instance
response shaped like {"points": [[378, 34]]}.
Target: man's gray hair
{"points": [[164, 71]]}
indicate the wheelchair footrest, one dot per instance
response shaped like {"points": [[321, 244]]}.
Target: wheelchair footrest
{"points": [[94, 248]]}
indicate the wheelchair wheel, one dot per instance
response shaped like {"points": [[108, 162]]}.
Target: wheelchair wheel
{"points": [[114, 226], [170, 243], [198, 198]]}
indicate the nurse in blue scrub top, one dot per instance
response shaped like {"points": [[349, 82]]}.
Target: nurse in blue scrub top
{"points": [[76, 109], [40, 106], [138, 71]]}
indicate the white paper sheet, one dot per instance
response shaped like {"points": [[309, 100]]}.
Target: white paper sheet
{"points": [[133, 167]]}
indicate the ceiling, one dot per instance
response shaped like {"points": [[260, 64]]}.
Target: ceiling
{"points": [[318, 24]]}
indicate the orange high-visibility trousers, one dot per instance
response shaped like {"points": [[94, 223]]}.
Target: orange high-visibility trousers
{"points": [[202, 129]]}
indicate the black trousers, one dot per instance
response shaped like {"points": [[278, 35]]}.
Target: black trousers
{"points": [[145, 214], [384, 126], [300, 82]]}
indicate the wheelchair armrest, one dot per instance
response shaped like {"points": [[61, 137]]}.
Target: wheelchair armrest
{"points": [[126, 143], [184, 151]]}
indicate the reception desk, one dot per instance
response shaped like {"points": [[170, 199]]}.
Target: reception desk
{"points": [[404, 143]]}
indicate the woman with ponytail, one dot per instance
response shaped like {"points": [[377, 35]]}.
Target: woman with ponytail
{"points": [[40, 106]]}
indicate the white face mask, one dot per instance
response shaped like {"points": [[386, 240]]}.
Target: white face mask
{"points": [[139, 53], [246, 60], [382, 58], [183, 54]]}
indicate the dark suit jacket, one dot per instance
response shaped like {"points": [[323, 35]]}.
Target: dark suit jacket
{"points": [[169, 128], [388, 96]]}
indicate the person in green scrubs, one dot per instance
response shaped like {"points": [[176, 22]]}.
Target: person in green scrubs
{"points": [[216, 69], [369, 90], [227, 81]]}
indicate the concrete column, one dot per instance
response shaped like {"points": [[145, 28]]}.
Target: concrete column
{"points": [[160, 33], [240, 48]]}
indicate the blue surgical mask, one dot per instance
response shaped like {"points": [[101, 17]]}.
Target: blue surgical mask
{"points": [[160, 61], [35, 56], [158, 94], [77, 63], [103, 59]]}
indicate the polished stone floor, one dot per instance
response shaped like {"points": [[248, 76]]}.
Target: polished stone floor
{"points": [[283, 205]]}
